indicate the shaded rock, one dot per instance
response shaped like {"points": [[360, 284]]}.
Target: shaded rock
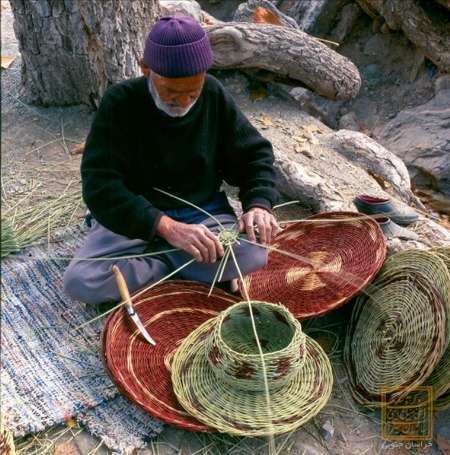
{"points": [[346, 21], [182, 8], [372, 75], [349, 122], [324, 170], [376, 45], [187, 8], [380, 163], [327, 431], [421, 138], [316, 17], [322, 108], [442, 82]]}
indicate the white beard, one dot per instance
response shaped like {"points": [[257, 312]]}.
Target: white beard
{"points": [[169, 110]]}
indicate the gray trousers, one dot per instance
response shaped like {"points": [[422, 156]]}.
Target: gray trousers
{"points": [[94, 281]]}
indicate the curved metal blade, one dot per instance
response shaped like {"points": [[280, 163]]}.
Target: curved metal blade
{"points": [[134, 316]]}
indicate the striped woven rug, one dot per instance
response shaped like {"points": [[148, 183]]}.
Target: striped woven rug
{"points": [[121, 425], [49, 371]]}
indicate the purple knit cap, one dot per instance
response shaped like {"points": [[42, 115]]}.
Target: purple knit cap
{"points": [[177, 46]]}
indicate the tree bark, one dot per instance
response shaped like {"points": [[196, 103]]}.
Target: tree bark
{"points": [[73, 49], [424, 27], [444, 3], [286, 51]]}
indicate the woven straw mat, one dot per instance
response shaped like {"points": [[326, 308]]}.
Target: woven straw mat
{"points": [[49, 372], [170, 312], [331, 257], [398, 331], [440, 377]]}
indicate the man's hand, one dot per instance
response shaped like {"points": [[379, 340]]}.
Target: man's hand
{"points": [[265, 222], [195, 239]]}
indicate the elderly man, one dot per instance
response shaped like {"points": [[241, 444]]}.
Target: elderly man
{"points": [[174, 129]]}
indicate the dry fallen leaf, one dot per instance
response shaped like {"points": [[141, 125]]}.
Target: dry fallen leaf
{"points": [[66, 448], [7, 60], [78, 149], [258, 94], [266, 122], [300, 139]]}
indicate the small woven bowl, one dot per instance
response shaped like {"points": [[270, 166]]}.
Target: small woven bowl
{"points": [[233, 353]]}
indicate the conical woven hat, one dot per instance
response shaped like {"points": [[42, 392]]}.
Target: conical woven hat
{"points": [[327, 259], [212, 365], [170, 312], [398, 330]]}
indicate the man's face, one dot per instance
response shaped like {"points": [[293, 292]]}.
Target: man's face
{"points": [[176, 96]]}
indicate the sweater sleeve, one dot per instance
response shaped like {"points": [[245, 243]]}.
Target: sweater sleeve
{"points": [[103, 170], [248, 158]]}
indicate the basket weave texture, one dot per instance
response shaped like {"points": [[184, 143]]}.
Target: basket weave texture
{"points": [[233, 353], [440, 377], [442, 403], [399, 329], [228, 405], [332, 256], [170, 312]]}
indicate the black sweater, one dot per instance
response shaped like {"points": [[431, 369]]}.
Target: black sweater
{"points": [[133, 147]]}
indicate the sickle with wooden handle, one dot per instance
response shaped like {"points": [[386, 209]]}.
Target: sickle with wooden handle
{"points": [[123, 289]]}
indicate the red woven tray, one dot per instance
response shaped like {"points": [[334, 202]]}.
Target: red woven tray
{"points": [[341, 255], [170, 312]]}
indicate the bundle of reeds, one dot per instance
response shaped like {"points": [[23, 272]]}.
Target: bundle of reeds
{"points": [[6, 441], [25, 224]]}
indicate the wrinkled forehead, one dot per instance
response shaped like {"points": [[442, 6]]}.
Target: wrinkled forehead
{"points": [[179, 84]]}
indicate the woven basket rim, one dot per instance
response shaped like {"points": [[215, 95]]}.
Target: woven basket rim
{"points": [[332, 305], [181, 367], [294, 324], [399, 268], [168, 287]]}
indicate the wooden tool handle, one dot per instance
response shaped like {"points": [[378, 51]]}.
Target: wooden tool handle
{"points": [[121, 283]]}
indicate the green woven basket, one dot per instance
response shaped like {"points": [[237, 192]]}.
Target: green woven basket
{"points": [[432, 265], [233, 352], [440, 377], [442, 403], [398, 334], [217, 372]]}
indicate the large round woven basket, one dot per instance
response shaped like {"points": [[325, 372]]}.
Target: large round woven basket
{"points": [[218, 378], [440, 377], [442, 403], [398, 330], [170, 312], [330, 257]]}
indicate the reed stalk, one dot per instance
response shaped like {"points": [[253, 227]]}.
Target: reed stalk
{"points": [[24, 224]]}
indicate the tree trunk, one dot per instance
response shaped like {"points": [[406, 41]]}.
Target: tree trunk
{"points": [[286, 51], [426, 27], [73, 49]]}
